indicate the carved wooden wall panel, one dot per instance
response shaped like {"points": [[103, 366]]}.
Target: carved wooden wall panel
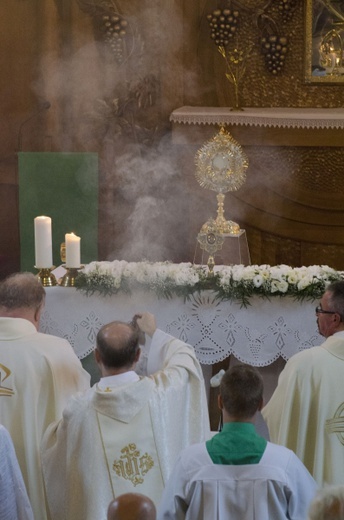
{"points": [[292, 203]]}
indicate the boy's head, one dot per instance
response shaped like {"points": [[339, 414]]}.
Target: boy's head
{"points": [[241, 392]]}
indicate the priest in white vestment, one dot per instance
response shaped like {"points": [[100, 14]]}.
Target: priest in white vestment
{"points": [[14, 502], [38, 374], [306, 411], [238, 474], [125, 434]]}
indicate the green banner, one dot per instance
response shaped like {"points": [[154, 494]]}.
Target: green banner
{"points": [[63, 186]]}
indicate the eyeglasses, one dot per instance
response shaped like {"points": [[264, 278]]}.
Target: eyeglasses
{"points": [[319, 310]]}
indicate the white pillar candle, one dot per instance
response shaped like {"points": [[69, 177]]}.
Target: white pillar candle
{"points": [[72, 250], [43, 242]]}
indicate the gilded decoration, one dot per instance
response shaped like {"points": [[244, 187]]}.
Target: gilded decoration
{"points": [[324, 38], [5, 372], [113, 27], [336, 424], [133, 465], [258, 21], [221, 166], [233, 29]]}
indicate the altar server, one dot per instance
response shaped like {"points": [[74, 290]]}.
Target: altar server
{"points": [[238, 474], [306, 411], [38, 374], [125, 434]]}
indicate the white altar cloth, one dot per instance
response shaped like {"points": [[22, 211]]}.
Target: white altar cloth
{"points": [[258, 334]]}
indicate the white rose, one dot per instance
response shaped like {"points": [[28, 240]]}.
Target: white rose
{"points": [[258, 280]]}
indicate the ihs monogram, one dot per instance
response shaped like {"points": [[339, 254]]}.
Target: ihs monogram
{"points": [[132, 465]]}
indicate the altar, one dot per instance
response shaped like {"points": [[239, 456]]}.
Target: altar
{"points": [[265, 333], [258, 334]]}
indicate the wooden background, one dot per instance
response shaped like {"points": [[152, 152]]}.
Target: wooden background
{"points": [[117, 102]]}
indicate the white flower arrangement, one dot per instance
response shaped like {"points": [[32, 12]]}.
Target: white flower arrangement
{"points": [[229, 282]]}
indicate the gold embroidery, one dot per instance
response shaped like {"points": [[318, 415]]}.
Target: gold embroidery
{"points": [[133, 466], [336, 425], [107, 389], [4, 390]]}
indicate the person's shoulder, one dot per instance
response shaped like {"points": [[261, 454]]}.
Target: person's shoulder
{"points": [[195, 454], [79, 403], [277, 449], [53, 347], [52, 340], [305, 358], [283, 456], [279, 456], [289, 467]]}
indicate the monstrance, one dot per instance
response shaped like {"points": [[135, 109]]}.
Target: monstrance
{"points": [[221, 166]]}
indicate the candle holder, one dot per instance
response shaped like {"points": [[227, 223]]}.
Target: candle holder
{"points": [[46, 277], [68, 280]]}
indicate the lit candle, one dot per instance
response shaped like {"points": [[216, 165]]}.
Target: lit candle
{"points": [[72, 250], [43, 243]]}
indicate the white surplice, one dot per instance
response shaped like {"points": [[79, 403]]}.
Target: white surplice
{"points": [[125, 438], [38, 374], [14, 502], [306, 411], [277, 488]]}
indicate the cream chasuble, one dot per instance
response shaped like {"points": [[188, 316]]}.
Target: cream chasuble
{"points": [[38, 374], [306, 411], [125, 438]]}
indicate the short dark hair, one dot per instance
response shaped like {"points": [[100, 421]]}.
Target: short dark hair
{"points": [[21, 290], [336, 300], [241, 390], [117, 344]]}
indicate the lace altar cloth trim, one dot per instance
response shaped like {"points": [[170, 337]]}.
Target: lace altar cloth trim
{"points": [[269, 117], [258, 334]]}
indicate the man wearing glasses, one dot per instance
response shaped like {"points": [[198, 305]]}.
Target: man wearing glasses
{"points": [[306, 411]]}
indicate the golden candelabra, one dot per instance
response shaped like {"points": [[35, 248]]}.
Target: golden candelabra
{"points": [[46, 277], [68, 279]]}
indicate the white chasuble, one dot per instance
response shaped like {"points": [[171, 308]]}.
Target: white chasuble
{"points": [[125, 437], [132, 460], [305, 412]]}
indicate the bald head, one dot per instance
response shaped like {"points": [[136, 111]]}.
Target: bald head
{"points": [[132, 506], [118, 345]]}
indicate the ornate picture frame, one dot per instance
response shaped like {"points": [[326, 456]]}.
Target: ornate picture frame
{"points": [[324, 41]]}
